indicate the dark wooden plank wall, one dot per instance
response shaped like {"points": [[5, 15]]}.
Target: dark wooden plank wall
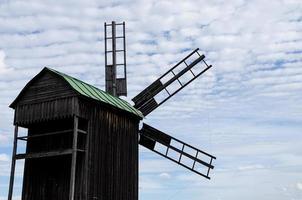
{"points": [[47, 178], [52, 142], [113, 153], [49, 110], [108, 170], [45, 88], [80, 186], [46, 98]]}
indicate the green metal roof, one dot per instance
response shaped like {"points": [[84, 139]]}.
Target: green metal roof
{"points": [[92, 92]]}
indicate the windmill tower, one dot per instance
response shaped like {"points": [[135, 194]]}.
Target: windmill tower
{"points": [[82, 142]]}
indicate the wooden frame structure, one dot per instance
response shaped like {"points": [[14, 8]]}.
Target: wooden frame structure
{"points": [[146, 102], [116, 79], [77, 148], [150, 136]]}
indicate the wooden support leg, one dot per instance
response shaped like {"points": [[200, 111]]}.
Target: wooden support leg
{"points": [[74, 158], [12, 171]]}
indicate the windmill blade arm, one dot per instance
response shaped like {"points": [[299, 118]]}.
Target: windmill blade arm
{"points": [[146, 102], [157, 85], [151, 138]]}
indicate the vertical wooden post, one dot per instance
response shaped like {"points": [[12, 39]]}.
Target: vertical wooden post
{"points": [[73, 158], [86, 168], [113, 31], [12, 171], [124, 44]]}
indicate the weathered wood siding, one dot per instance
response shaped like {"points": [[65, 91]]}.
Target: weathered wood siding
{"points": [[46, 87], [27, 114], [47, 178], [47, 97], [109, 167], [112, 171]]}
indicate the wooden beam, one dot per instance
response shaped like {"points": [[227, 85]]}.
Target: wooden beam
{"points": [[50, 133], [113, 32], [13, 165], [82, 131], [45, 154], [86, 166], [45, 134], [74, 158]]}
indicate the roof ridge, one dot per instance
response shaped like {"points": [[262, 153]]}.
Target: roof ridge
{"points": [[117, 102]]}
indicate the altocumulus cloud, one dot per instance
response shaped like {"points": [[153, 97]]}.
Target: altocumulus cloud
{"points": [[246, 110], [299, 186], [3, 67]]}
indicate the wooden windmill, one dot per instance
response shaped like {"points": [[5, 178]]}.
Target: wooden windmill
{"points": [[82, 143]]}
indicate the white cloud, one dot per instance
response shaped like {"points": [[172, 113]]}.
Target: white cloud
{"points": [[4, 157], [299, 186], [245, 110], [4, 139], [250, 167], [3, 67], [165, 175]]}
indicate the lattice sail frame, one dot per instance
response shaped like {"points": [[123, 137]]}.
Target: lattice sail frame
{"points": [[146, 100], [188, 156], [150, 98], [115, 59]]}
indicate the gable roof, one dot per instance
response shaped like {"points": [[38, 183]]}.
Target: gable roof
{"points": [[89, 91]]}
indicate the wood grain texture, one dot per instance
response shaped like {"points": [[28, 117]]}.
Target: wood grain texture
{"points": [[108, 167], [112, 154]]}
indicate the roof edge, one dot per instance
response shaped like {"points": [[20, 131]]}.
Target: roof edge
{"points": [[12, 105], [61, 75]]}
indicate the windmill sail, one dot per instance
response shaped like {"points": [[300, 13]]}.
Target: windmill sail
{"points": [[115, 59], [146, 101], [177, 151]]}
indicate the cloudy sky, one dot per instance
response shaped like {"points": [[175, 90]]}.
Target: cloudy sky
{"points": [[247, 110]]}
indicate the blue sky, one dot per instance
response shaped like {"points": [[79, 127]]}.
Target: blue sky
{"points": [[246, 110]]}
